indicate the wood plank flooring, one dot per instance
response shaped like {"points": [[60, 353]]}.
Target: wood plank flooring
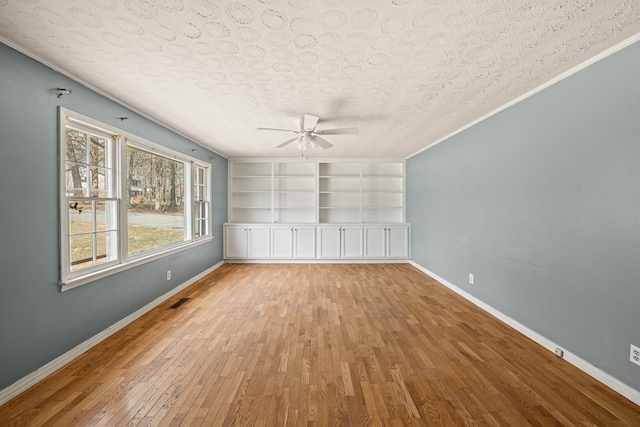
{"points": [[318, 344]]}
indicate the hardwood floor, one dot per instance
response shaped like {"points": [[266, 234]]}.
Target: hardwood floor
{"points": [[318, 344]]}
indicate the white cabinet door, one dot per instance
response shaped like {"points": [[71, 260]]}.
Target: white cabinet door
{"points": [[282, 241], [397, 241], [304, 241], [352, 241], [329, 242], [311, 241], [259, 238], [235, 242], [375, 241]]}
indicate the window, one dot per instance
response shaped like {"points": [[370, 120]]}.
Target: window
{"points": [[124, 200], [201, 205], [155, 212], [90, 197]]}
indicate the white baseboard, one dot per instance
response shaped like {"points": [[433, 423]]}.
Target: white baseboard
{"points": [[46, 370], [316, 261], [606, 379]]}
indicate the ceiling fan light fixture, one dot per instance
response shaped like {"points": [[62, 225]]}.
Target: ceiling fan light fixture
{"points": [[307, 135], [306, 140]]}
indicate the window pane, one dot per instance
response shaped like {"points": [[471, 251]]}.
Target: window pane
{"points": [[98, 182], [81, 248], [80, 220], [144, 237], [155, 206], [76, 180], [106, 216], [200, 211], [105, 247], [76, 146], [197, 232], [201, 228], [98, 150]]}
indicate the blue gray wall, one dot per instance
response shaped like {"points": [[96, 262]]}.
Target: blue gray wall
{"points": [[541, 202], [37, 322]]}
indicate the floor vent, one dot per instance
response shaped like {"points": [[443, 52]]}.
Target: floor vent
{"points": [[179, 302]]}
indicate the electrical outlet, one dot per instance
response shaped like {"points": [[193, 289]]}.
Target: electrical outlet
{"points": [[471, 278], [634, 354], [168, 274], [559, 352]]}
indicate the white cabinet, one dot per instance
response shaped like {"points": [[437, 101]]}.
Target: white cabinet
{"points": [[316, 241], [340, 241], [282, 241], [304, 241], [351, 241], [236, 244], [293, 241], [398, 241], [386, 241], [247, 241], [329, 241], [375, 239]]}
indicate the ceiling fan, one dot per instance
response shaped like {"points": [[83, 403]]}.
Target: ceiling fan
{"points": [[309, 137]]}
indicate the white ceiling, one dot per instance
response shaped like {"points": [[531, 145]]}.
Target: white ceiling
{"points": [[406, 72]]}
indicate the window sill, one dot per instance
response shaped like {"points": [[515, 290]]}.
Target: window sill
{"points": [[87, 278]]}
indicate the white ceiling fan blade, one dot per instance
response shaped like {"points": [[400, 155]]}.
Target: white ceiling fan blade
{"points": [[340, 131], [281, 130], [310, 121], [286, 142], [322, 142]]}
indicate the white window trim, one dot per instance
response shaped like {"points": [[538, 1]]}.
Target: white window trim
{"points": [[68, 280]]}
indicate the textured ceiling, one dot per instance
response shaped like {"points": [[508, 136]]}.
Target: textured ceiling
{"points": [[406, 72]]}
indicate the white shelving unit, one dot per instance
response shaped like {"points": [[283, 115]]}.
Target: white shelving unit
{"points": [[382, 197], [371, 192], [339, 191], [328, 192], [250, 192], [294, 192]]}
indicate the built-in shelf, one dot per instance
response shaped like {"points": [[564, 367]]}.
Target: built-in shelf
{"points": [[351, 192], [287, 191]]}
